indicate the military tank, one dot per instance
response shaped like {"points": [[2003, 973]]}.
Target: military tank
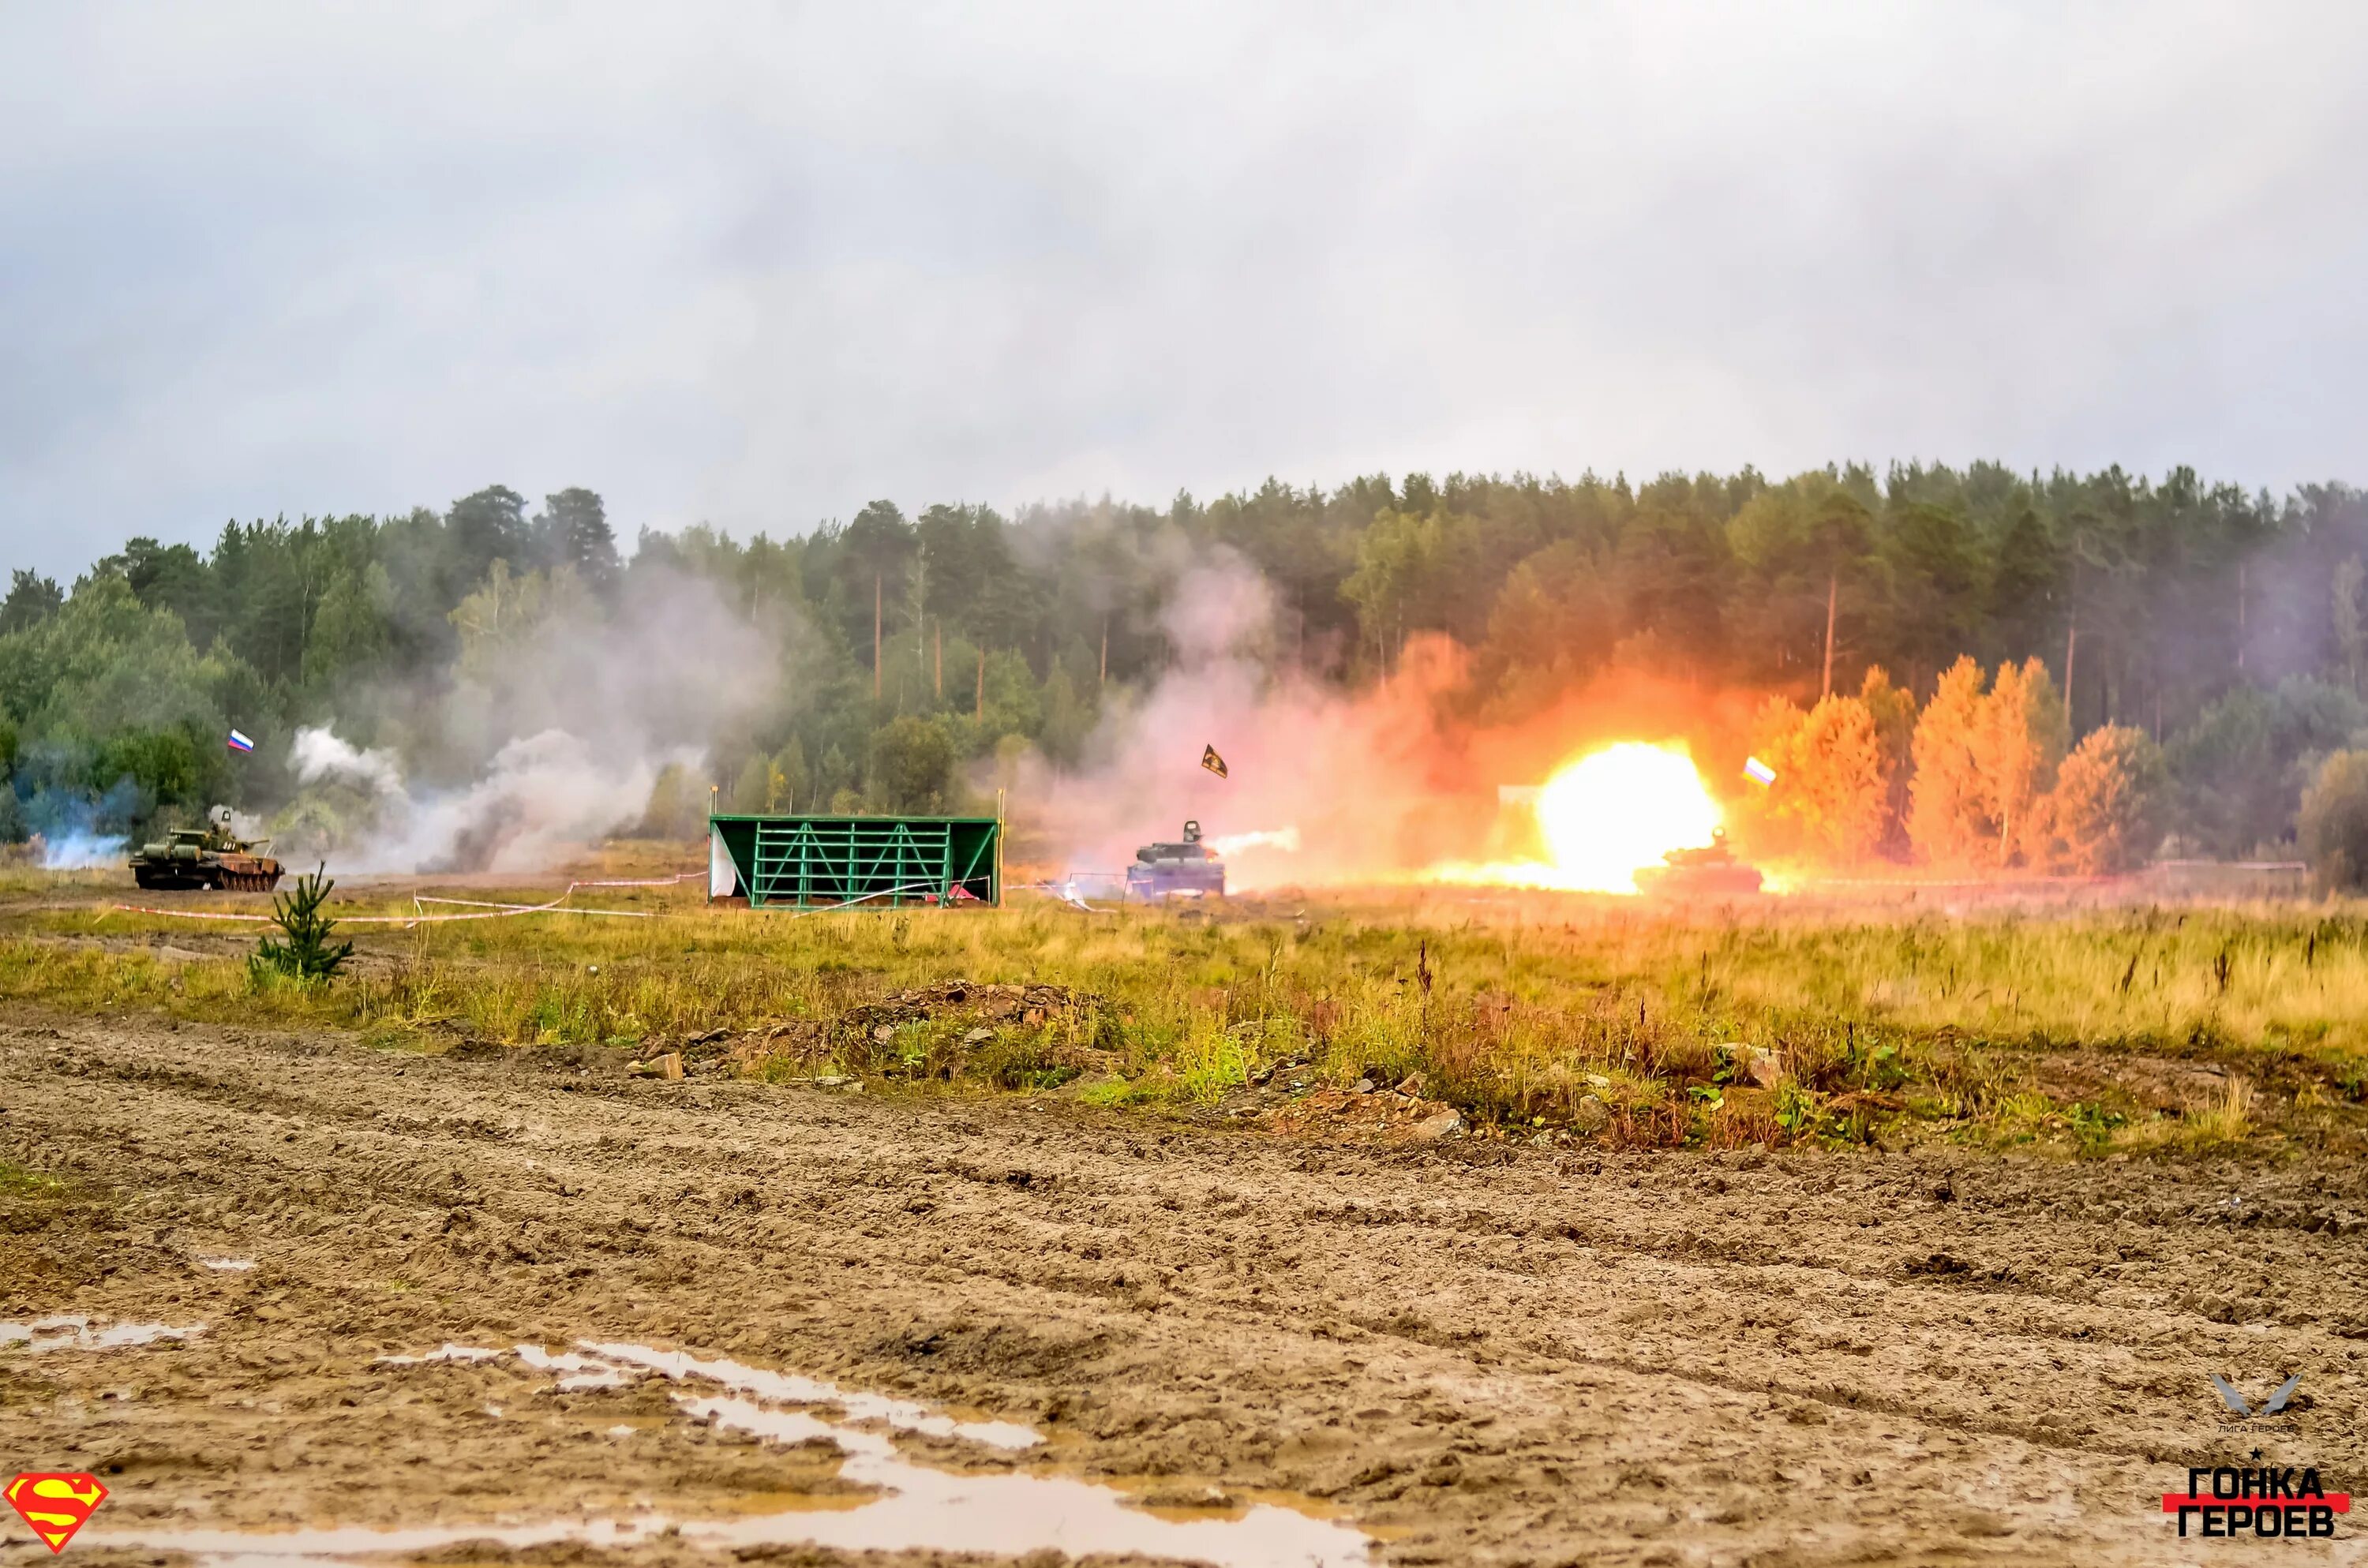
{"points": [[207, 857], [1712, 872], [1189, 870]]}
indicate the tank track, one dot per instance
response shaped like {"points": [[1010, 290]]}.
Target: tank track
{"points": [[233, 881]]}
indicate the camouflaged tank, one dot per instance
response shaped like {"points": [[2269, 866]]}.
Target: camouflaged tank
{"points": [[1190, 869], [1709, 872], [207, 857]]}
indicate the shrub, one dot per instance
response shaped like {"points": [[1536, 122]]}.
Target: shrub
{"points": [[2335, 822]]}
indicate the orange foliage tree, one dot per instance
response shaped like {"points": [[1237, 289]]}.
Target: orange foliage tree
{"points": [[1893, 709], [1986, 757], [1837, 768], [2103, 814]]}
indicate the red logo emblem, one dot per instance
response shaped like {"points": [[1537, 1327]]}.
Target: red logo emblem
{"points": [[55, 1504]]}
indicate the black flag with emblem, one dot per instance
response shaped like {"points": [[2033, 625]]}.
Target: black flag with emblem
{"points": [[1212, 762]]}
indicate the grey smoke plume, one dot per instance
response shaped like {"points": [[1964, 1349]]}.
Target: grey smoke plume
{"points": [[564, 715], [1322, 785]]}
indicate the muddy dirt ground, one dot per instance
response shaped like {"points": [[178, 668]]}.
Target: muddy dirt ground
{"points": [[1477, 1356]]}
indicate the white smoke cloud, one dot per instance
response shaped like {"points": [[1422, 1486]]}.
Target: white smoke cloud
{"points": [[551, 740], [1221, 612], [319, 754], [542, 797], [77, 851]]}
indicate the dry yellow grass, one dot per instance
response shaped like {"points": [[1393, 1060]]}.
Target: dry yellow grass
{"points": [[1991, 1026]]}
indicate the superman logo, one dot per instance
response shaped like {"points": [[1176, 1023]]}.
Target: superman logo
{"points": [[55, 1504]]}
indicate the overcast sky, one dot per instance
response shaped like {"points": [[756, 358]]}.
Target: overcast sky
{"points": [[756, 265]]}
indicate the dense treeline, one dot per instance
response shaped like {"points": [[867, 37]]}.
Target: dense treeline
{"points": [[2230, 628]]}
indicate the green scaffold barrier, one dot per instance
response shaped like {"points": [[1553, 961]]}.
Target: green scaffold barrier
{"points": [[883, 862]]}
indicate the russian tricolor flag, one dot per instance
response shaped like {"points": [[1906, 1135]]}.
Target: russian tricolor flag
{"points": [[240, 743], [1758, 772]]}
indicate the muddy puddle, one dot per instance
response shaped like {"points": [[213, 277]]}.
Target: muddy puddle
{"points": [[885, 1501], [79, 1334]]}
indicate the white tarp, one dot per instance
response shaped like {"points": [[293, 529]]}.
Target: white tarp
{"points": [[723, 881]]}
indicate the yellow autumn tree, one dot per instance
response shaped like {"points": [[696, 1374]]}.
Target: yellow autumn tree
{"points": [[1775, 730], [2334, 822], [2103, 816], [1893, 709], [1947, 822], [2018, 747], [1832, 793], [1985, 758]]}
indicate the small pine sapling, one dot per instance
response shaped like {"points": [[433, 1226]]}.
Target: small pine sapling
{"points": [[306, 951]]}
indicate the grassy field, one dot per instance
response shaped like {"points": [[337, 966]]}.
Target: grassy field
{"points": [[2095, 1031]]}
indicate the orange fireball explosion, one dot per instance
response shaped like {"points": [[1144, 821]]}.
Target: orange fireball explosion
{"points": [[1605, 817]]}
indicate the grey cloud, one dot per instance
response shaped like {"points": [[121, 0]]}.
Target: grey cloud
{"points": [[759, 267]]}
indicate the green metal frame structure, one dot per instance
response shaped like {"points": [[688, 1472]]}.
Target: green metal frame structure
{"points": [[869, 861]]}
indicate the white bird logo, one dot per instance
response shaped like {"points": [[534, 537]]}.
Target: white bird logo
{"points": [[2270, 1406]]}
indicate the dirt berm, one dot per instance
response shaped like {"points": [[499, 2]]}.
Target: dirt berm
{"points": [[1529, 1358]]}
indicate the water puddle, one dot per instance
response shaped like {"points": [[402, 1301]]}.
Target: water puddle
{"points": [[441, 1353], [614, 1365], [902, 1505], [1182, 1500], [582, 1372], [1011, 1513], [77, 1334], [795, 1502], [783, 1388]]}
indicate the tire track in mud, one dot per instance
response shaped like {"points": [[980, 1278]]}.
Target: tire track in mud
{"points": [[1724, 1356]]}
